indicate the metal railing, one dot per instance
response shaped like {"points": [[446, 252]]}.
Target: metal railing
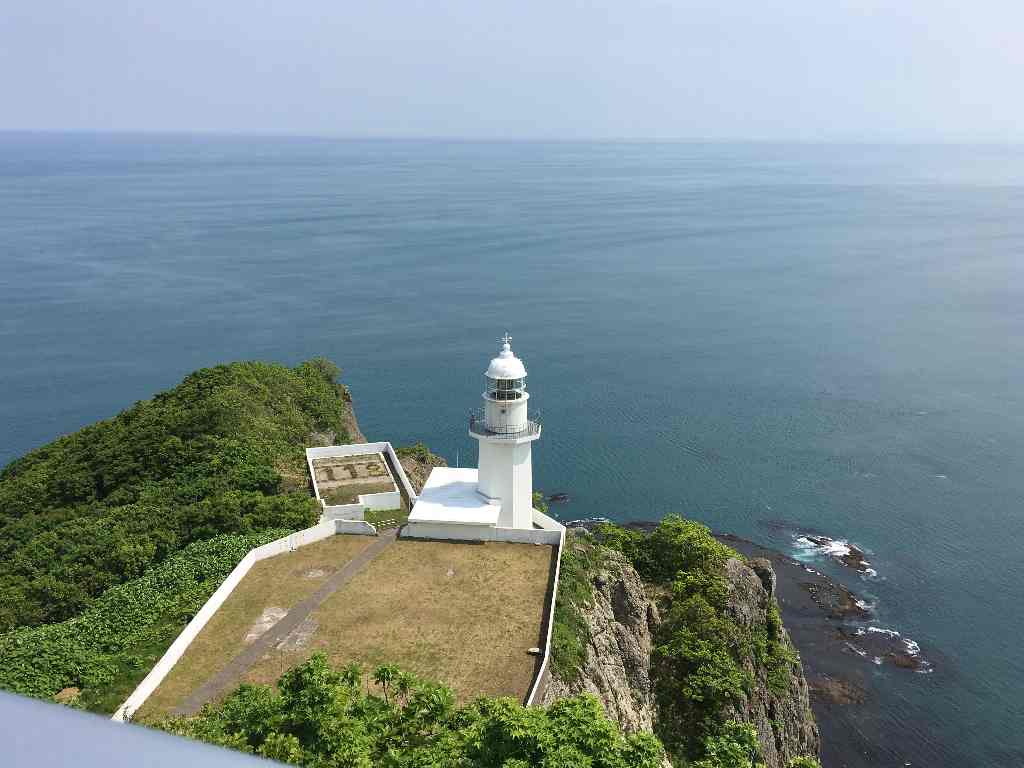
{"points": [[478, 426]]}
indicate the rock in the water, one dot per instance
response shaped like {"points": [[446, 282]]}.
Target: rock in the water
{"points": [[836, 691]]}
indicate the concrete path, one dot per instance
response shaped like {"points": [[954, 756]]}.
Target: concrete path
{"points": [[234, 670]]}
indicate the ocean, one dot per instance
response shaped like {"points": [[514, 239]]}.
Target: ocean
{"points": [[769, 338]]}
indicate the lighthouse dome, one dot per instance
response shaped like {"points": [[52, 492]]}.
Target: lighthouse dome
{"points": [[506, 365]]}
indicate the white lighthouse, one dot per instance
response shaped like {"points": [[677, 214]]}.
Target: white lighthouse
{"points": [[494, 502], [506, 434]]}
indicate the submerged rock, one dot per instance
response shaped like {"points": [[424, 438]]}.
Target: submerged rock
{"points": [[836, 691]]}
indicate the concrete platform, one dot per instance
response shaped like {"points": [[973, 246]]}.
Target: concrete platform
{"points": [[451, 497]]}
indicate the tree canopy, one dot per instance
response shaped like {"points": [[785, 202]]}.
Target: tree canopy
{"points": [[320, 716], [219, 453]]}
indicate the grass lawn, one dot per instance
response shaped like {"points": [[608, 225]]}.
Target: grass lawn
{"points": [[461, 614], [350, 492], [277, 582]]}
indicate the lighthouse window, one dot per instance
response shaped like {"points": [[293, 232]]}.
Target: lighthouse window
{"points": [[506, 389]]}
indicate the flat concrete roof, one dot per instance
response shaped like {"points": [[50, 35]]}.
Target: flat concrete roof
{"points": [[450, 496]]}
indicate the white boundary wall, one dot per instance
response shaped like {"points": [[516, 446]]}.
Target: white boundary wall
{"points": [[543, 674], [447, 531], [181, 643], [550, 531], [343, 511], [376, 501]]}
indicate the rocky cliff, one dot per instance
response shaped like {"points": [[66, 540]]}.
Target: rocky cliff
{"points": [[622, 622], [782, 715]]}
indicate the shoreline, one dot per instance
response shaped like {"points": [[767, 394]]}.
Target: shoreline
{"points": [[841, 651]]}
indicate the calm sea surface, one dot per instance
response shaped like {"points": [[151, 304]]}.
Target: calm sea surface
{"points": [[828, 336]]}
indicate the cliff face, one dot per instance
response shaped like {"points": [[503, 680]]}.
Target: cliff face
{"points": [[623, 622], [785, 725]]}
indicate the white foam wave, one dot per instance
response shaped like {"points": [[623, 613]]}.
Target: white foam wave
{"points": [[827, 546], [585, 521], [910, 646], [809, 547], [859, 651], [883, 631]]}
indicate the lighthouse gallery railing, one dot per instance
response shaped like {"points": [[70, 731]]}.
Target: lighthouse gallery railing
{"points": [[478, 426]]}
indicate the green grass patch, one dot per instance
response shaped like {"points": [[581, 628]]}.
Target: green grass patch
{"points": [[350, 492], [383, 519]]}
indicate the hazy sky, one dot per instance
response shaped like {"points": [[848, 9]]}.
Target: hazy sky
{"points": [[802, 69]]}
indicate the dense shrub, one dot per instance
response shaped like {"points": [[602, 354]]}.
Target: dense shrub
{"points": [[213, 455], [700, 649], [324, 717], [99, 651]]}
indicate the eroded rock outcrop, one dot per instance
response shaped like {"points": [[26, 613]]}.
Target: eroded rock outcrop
{"points": [[623, 621], [782, 715]]}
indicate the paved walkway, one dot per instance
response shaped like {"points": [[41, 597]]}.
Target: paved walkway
{"points": [[234, 670]]}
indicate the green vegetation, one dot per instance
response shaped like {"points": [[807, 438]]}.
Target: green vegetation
{"points": [[386, 518], [350, 492], [700, 651], [323, 717], [107, 650], [540, 503], [570, 634], [736, 746], [219, 453], [113, 537], [417, 451]]}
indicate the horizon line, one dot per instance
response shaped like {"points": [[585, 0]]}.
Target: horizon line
{"points": [[243, 134]]}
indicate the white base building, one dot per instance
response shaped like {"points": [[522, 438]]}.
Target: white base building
{"points": [[494, 502]]}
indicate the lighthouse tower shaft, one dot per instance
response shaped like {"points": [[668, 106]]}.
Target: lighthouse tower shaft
{"points": [[506, 434]]}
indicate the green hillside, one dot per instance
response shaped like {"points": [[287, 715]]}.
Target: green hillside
{"points": [[220, 453], [98, 657]]}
